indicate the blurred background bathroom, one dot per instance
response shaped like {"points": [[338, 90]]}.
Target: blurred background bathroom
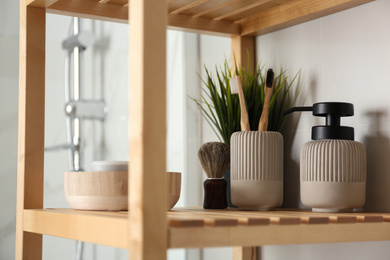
{"points": [[343, 57]]}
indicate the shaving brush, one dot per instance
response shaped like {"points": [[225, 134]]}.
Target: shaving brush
{"points": [[214, 158]]}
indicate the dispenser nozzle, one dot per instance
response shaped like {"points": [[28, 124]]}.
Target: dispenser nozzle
{"points": [[332, 111], [297, 109]]}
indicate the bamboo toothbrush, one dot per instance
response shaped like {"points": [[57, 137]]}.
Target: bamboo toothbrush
{"points": [[236, 88], [268, 86]]}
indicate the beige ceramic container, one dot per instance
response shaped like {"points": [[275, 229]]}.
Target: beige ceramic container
{"points": [[108, 190], [333, 175], [102, 166], [256, 170]]}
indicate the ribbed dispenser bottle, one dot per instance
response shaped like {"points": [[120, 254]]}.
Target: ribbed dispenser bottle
{"points": [[333, 165]]}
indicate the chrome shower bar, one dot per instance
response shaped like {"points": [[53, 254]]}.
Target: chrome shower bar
{"points": [[76, 108]]}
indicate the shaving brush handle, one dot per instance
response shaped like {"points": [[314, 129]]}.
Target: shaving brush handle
{"points": [[215, 194]]}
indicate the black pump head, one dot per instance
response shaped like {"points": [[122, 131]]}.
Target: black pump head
{"points": [[332, 111]]}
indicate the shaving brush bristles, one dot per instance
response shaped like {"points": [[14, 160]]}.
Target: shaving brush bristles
{"points": [[215, 158]]}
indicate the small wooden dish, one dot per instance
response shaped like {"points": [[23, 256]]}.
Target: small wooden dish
{"points": [[108, 190], [103, 190], [174, 186]]}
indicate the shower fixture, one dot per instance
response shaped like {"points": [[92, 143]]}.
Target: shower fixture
{"points": [[76, 108]]}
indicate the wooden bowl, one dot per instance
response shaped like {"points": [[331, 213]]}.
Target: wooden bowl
{"points": [[108, 190], [105, 190], [174, 186]]}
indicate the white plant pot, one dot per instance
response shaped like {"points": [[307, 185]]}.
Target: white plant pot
{"points": [[333, 175], [256, 170]]}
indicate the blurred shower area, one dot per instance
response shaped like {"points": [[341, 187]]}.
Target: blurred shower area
{"points": [[86, 116]]}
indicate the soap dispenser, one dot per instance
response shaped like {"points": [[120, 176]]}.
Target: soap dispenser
{"points": [[332, 165]]}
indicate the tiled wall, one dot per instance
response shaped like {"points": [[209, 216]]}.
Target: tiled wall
{"points": [[343, 57], [9, 45]]}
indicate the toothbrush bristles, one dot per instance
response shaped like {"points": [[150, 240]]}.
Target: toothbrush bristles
{"points": [[234, 85], [270, 78]]}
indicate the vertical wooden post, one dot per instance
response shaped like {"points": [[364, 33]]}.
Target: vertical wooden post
{"points": [[243, 51], [147, 127], [31, 126], [244, 54], [245, 253]]}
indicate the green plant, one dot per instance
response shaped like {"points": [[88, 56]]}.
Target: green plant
{"points": [[221, 109]]}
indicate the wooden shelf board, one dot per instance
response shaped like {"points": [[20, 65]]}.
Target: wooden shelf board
{"points": [[90, 9], [284, 227], [215, 228], [115, 12], [292, 13], [277, 235], [94, 227], [223, 17], [202, 25]]}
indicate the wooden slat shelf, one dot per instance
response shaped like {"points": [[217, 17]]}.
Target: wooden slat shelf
{"points": [[208, 228], [223, 17], [147, 230]]}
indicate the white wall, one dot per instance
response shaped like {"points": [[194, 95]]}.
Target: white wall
{"points": [[343, 57], [9, 60]]}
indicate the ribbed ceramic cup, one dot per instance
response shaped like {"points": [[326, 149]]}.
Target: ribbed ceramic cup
{"points": [[333, 175], [256, 170]]}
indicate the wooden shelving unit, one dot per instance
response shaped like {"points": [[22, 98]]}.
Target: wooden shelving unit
{"points": [[147, 230]]}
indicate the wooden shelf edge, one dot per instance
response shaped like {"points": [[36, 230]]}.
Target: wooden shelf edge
{"points": [[203, 25], [105, 229], [292, 13], [40, 3], [250, 236], [120, 14], [90, 10]]}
